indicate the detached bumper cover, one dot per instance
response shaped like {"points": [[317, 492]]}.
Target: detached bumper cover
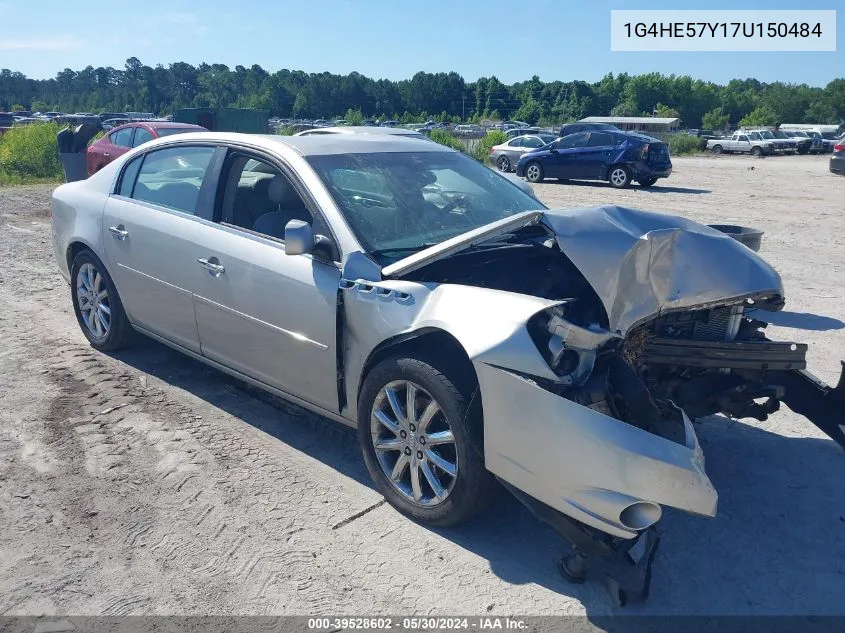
{"points": [[582, 463]]}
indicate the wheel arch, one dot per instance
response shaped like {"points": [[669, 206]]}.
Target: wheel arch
{"points": [[447, 354]]}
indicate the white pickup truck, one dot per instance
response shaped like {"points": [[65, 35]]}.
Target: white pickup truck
{"points": [[741, 142]]}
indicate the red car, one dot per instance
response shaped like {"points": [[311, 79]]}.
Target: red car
{"points": [[121, 139]]}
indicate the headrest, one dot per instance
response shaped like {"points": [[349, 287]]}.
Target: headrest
{"points": [[279, 189]]}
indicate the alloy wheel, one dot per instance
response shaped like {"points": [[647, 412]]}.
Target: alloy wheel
{"points": [[92, 296], [414, 444], [532, 173], [618, 177]]}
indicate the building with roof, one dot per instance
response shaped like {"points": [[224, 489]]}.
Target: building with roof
{"points": [[653, 126]]}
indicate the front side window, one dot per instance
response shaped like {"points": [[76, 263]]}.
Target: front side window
{"points": [[172, 177], [123, 137], [142, 135], [170, 131], [399, 202], [260, 198]]}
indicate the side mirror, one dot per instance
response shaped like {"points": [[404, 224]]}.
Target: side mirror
{"points": [[299, 238]]}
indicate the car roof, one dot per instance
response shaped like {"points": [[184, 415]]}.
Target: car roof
{"points": [[359, 129], [314, 145], [160, 125]]}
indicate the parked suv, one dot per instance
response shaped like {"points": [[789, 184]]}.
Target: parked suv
{"points": [[611, 155], [802, 143], [816, 141], [574, 128], [123, 138]]}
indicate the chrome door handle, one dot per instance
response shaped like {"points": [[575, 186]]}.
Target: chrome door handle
{"points": [[119, 232], [212, 267]]}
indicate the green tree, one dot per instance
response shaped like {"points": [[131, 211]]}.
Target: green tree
{"points": [[714, 120], [354, 116], [665, 111], [759, 117], [18, 108]]}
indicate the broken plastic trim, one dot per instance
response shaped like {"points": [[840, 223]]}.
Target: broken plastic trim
{"points": [[626, 575]]}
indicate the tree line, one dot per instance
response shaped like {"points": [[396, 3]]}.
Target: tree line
{"points": [[446, 96]]}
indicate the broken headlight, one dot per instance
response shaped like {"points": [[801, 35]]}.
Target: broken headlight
{"points": [[569, 349]]}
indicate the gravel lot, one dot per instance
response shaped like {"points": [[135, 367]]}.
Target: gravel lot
{"points": [[146, 483]]}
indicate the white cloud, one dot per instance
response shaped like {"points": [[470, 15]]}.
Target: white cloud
{"points": [[40, 43]]}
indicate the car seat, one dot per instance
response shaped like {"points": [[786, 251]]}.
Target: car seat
{"points": [[289, 206]]}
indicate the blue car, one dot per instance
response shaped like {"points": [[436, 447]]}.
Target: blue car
{"points": [[617, 157]]}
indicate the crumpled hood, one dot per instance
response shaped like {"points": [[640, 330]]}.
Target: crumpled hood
{"points": [[642, 264]]}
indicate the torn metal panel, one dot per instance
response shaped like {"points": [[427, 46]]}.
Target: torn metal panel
{"points": [[643, 264]]}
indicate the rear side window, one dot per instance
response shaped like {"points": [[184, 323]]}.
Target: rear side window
{"points": [[142, 135], [517, 142], [533, 141], [123, 137], [130, 173], [742, 138], [600, 139], [172, 177], [573, 140]]}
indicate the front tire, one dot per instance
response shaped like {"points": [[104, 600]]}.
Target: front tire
{"points": [[97, 305], [413, 426], [756, 151], [503, 164], [534, 172], [619, 176]]}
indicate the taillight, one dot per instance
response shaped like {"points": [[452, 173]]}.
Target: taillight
{"points": [[839, 147]]}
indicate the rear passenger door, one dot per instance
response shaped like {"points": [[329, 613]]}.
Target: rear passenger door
{"points": [[598, 154], [151, 225]]}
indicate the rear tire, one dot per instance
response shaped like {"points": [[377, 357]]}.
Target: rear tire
{"points": [[534, 172], [471, 489], [647, 182], [503, 164], [619, 176], [96, 304], [717, 149]]}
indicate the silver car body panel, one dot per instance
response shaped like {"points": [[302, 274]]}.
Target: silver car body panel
{"points": [[575, 459], [585, 464], [650, 263]]}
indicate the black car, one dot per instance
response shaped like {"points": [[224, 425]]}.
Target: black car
{"points": [[573, 128], [837, 159], [611, 155]]}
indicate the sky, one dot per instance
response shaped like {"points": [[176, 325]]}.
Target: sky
{"points": [[393, 39]]}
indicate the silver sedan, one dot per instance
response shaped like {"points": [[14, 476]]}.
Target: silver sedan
{"points": [[506, 155], [472, 336]]}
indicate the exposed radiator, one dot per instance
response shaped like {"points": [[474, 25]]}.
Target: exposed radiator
{"points": [[718, 324]]}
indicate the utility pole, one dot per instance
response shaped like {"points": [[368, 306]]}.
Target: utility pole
{"points": [[464, 109]]}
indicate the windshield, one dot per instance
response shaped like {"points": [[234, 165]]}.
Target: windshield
{"points": [[813, 134], [400, 202], [779, 134]]}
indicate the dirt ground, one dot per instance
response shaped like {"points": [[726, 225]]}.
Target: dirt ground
{"points": [[146, 483]]}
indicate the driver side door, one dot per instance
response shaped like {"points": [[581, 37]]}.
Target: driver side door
{"points": [[564, 156], [260, 311]]}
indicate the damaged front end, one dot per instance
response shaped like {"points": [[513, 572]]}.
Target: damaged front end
{"points": [[648, 323]]}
